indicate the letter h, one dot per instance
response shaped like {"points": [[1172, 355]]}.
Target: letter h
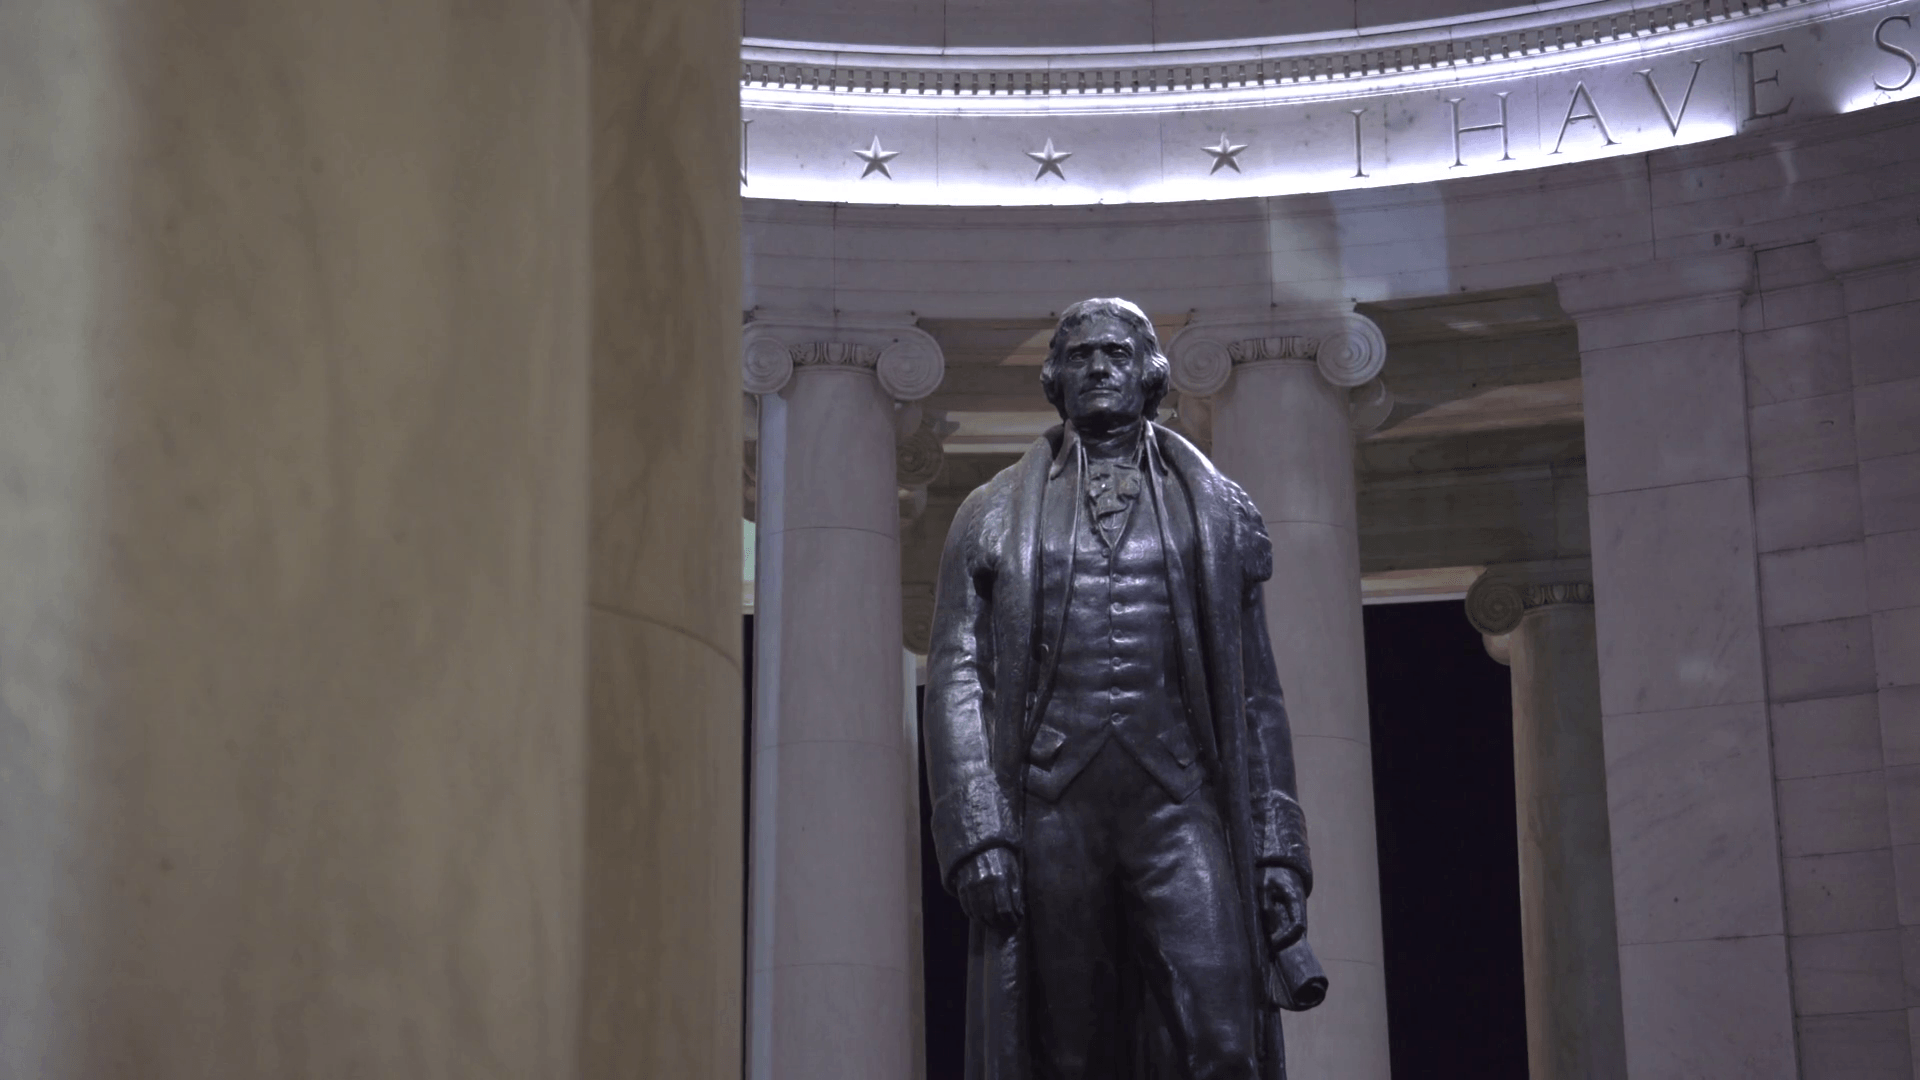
{"points": [[1459, 131]]}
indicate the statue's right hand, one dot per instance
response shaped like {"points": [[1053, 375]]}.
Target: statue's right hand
{"points": [[989, 889]]}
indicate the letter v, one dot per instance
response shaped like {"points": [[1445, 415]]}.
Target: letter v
{"points": [[1673, 121]]}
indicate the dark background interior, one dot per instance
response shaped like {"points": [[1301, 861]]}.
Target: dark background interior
{"points": [[1442, 727]]}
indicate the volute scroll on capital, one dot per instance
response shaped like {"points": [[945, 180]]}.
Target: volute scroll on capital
{"points": [[906, 359], [1496, 601], [1348, 348]]}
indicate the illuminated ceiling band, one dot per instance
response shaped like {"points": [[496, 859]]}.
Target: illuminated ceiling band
{"points": [[1555, 83]]}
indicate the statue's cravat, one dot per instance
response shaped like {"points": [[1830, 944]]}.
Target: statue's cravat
{"points": [[1112, 487]]}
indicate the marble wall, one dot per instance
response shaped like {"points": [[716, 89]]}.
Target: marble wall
{"points": [[1753, 631]]}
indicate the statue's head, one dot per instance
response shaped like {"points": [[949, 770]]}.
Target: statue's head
{"points": [[1104, 366]]}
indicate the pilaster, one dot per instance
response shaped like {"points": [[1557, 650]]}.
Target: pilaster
{"points": [[1695, 839]]}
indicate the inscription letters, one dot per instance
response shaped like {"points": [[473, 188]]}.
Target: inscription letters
{"points": [[1880, 40], [1359, 165], [1501, 127], [1592, 113], [1754, 83], [1673, 118], [1838, 70]]}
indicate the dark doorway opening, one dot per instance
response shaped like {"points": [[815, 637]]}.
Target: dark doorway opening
{"points": [[1442, 728]]}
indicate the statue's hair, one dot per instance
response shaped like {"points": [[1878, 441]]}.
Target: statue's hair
{"points": [[1154, 379]]}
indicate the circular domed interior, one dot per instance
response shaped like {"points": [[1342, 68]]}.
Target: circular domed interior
{"points": [[1054, 24]]}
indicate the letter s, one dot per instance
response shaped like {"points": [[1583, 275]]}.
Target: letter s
{"points": [[1895, 50]]}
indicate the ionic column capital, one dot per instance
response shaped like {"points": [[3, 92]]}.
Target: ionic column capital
{"points": [[906, 359], [1346, 346], [1503, 595]]}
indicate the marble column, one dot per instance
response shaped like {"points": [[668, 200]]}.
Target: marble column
{"points": [[293, 505], [830, 930], [1541, 625], [664, 829], [1282, 427]]}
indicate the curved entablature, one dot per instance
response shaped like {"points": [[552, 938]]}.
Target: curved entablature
{"points": [[1313, 113], [1107, 72]]}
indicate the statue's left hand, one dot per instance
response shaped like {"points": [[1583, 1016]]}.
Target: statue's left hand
{"points": [[1283, 906]]}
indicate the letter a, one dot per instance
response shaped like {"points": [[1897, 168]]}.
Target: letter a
{"points": [[1592, 113]]}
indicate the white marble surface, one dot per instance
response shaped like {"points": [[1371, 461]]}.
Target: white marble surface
{"points": [[1844, 892], [1675, 597], [1695, 852], [1896, 646], [1807, 509], [1847, 973], [838, 578], [1838, 813], [1344, 911], [1893, 570], [1899, 708], [825, 1020], [1802, 435], [1887, 418], [1718, 1007], [1824, 736], [1283, 433], [1808, 360], [829, 904], [1812, 584], [1820, 659], [831, 774], [1903, 803], [1857, 1046], [1666, 412], [1569, 945], [292, 540], [1906, 877], [1882, 340]]}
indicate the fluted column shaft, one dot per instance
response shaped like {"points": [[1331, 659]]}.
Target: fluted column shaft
{"points": [[830, 916], [1569, 947], [1284, 432]]}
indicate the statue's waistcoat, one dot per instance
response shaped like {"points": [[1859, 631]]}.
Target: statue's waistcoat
{"points": [[1118, 675]]}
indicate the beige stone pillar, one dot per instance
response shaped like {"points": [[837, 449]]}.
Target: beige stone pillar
{"points": [[665, 783], [1282, 427], [830, 925], [1541, 625], [292, 538]]}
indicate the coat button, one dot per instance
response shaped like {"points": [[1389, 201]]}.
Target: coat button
{"points": [[1042, 652]]}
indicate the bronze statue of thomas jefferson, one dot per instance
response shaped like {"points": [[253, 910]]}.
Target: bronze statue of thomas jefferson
{"points": [[1110, 761]]}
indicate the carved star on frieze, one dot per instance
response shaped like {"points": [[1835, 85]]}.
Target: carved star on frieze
{"points": [[1049, 160], [876, 159], [1226, 153]]}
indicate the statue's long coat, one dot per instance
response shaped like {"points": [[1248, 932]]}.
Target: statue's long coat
{"points": [[990, 672]]}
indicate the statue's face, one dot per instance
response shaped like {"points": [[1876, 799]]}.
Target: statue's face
{"points": [[1099, 375]]}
